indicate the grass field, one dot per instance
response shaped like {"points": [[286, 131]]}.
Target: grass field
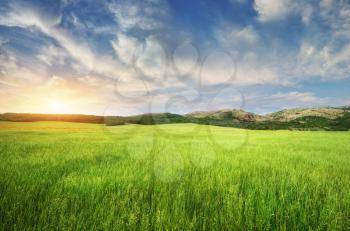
{"points": [[171, 177]]}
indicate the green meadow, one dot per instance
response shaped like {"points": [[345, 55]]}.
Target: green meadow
{"points": [[71, 176]]}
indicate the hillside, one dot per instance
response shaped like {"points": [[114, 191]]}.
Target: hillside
{"points": [[327, 118], [292, 114], [234, 115], [150, 118]]}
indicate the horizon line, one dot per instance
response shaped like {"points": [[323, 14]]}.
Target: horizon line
{"points": [[153, 113]]}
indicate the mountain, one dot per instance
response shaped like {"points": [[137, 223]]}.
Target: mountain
{"points": [[292, 114], [322, 118]]}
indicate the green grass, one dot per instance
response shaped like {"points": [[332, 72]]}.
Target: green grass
{"points": [[72, 176]]}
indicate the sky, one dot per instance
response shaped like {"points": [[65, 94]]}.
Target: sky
{"points": [[124, 57]]}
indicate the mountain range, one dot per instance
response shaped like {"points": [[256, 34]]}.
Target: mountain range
{"points": [[320, 118]]}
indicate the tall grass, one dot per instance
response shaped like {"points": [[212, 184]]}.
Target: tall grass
{"points": [[71, 176]]}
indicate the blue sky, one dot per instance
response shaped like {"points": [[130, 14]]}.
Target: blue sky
{"points": [[128, 57]]}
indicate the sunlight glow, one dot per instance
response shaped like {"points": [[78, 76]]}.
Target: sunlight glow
{"points": [[58, 107]]}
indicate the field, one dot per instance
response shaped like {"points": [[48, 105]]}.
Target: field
{"points": [[71, 176]]}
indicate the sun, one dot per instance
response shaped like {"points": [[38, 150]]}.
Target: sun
{"points": [[58, 107]]}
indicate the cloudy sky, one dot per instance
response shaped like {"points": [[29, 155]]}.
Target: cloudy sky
{"points": [[128, 57]]}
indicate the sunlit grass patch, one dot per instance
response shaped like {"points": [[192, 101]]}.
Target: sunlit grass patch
{"points": [[170, 177]]}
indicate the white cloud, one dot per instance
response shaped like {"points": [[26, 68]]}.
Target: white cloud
{"points": [[126, 47], [329, 58], [258, 62], [78, 49], [29, 17], [247, 34], [305, 97], [52, 55], [185, 58], [253, 75], [271, 10], [12, 73], [146, 61], [150, 63], [306, 14], [326, 4], [217, 68], [144, 15], [29, 82], [234, 37], [76, 22], [152, 60]]}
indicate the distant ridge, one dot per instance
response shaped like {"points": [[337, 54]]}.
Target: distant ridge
{"points": [[317, 118], [29, 117]]}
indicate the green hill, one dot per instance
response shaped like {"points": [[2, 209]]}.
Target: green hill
{"points": [[326, 118]]}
